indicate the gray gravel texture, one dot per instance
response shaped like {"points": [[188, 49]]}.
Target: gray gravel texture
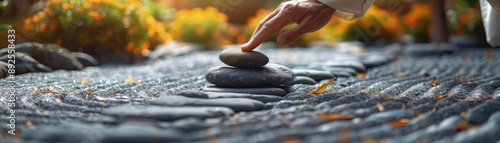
{"points": [[434, 96]]}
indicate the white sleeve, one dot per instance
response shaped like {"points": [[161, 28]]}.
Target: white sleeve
{"points": [[491, 20], [348, 9], [495, 4]]}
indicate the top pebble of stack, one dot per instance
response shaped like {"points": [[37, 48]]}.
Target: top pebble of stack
{"points": [[237, 58]]}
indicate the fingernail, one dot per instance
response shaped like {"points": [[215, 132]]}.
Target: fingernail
{"points": [[244, 45]]}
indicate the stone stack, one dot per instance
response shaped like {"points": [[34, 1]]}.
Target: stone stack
{"points": [[248, 72]]}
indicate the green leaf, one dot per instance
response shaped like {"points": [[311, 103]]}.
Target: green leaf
{"points": [[4, 27]]}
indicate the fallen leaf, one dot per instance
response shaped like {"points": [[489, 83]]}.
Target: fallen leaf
{"points": [[290, 140], [470, 73], [364, 88], [85, 81], [17, 134], [334, 116], [467, 82], [489, 55], [235, 126], [380, 107], [343, 135], [210, 136], [370, 139], [418, 113], [116, 91], [362, 75], [29, 124], [387, 100], [89, 92], [302, 102], [463, 113], [322, 87], [423, 140], [440, 97], [473, 100], [399, 74], [129, 79], [399, 123], [434, 83], [461, 126], [465, 60], [155, 94], [180, 70], [374, 93]]}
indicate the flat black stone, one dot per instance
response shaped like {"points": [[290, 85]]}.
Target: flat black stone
{"points": [[259, 97], [287, 88], [64, 132], [270, 75], [140, 131], [314, 74], [85, 59], [237, 104], [193, 94], [237, 58], [166, 113], [303, 80], [341, 71], [375, 60], [263, 90], [353, 64]]}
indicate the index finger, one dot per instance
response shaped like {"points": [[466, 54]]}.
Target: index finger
{"points": [[267, 29]]}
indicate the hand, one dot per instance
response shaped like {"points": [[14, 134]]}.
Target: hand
{"points": [[310, 15]]}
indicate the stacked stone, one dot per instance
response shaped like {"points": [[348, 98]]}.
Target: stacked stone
{"points": [[248, 72]]}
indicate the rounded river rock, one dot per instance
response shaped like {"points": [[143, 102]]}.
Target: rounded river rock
{"points": [[270, 75], [237, 58]]}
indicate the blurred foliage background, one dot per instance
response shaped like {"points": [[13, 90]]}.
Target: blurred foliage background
{"points": [[137, 26]]}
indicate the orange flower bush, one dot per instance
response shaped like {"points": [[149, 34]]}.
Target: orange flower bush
{"points": [[465, 18], [206, 26], [417, 21], [376, 24], [97, 26]]}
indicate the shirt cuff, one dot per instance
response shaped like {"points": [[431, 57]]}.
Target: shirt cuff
{"points": [[495, 4], [348, 9]]}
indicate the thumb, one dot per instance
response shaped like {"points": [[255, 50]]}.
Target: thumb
{"points": [[292, 34]]}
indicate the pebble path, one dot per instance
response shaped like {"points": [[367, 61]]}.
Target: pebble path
{"points": [[439, 96]]}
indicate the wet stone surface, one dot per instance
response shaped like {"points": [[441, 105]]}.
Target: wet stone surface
{"points": [[270, 75], [237, 58], [237, 104], [419, 95], [193, 94], [303, 80], [260, 97], [264, 90], [166, 113]]}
